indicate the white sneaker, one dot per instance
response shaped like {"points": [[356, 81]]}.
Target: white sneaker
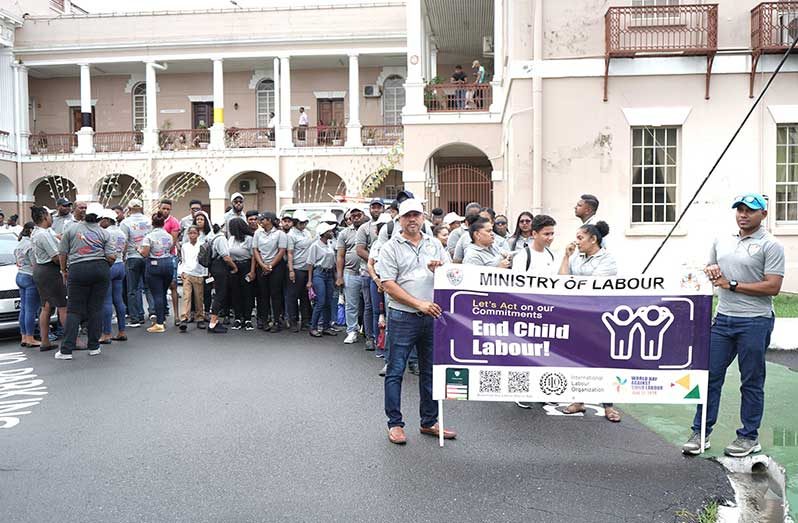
{"points": [[351, 337], [60, 356], [94, 352]]}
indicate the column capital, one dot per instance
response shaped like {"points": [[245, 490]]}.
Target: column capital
{"points": [[84, 65], [354, 56], [284, 56], [218, 59]]}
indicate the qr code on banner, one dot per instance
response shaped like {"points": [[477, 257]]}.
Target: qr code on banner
{"points": [[490, 381], [518, 382]]}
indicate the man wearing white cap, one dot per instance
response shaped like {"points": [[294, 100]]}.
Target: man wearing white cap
{"points": [[237, 209], [136, 226], [406, 266], [453, 221]]}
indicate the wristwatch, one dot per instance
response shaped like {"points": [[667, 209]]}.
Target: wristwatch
{"points": [[733, 285]]}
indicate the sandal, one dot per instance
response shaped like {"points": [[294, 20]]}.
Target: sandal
{"points": [[612, 414], [119, 338], [573, 408]]}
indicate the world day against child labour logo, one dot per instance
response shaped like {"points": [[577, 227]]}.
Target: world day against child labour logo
{"points": [[455, 276], [642, 331]]}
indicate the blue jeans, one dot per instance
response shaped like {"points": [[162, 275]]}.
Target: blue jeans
{"points": [[135, 277], [113, 300], [29, 304], [375, 300], [409, 330], [323, 284], [334, 304], [353, 293], [159, 276], [747, 339], [368, 309]]}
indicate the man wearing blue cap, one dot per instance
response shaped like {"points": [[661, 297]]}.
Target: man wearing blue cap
{"points": [[747, 268]]}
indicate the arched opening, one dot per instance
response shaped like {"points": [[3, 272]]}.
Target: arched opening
{"points": [[117, 189], [393, 100], [264, 102], [390, 186], [183, 187], [140, 106], [51, 188], [258, 189], [458, 174], [318, 186]]}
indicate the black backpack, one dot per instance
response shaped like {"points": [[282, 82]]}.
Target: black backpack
{"points": [[205, 254], [529, 256]]}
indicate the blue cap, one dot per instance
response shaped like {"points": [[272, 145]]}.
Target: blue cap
{"points": [[377, 201], [404, 195], [752, 200]]}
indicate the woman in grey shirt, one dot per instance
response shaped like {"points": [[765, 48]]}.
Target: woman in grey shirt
{"points": [[156, 247], [299, 240], [269, 245], [321, 266], [47, 274], [86, 254], [239, 246], [483, 249], [29, 302], [591, 260], [222, 266]]}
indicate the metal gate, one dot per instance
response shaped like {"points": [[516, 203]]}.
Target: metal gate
{"points": [[455, 186]]}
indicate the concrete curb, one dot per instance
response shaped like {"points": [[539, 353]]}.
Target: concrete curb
{"points": [[783, 337], [757, 464]]}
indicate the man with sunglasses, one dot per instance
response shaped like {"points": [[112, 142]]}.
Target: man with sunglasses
{"points": [[195, 207], [747, 268]]}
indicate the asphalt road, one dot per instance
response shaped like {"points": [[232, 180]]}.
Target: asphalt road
{"points": [[281, 427]]}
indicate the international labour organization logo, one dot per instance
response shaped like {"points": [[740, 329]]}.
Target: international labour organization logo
{"points": [[455, 276], [553, 383]]}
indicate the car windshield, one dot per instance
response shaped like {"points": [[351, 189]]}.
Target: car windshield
{"points": [[8, 242]]}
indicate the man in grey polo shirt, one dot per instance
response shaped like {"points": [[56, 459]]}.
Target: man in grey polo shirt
{"points": [[747, 268], [406, 266], [471, 209], [349, 265]]}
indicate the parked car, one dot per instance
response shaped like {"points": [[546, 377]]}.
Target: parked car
{"points": [[9, 293]]}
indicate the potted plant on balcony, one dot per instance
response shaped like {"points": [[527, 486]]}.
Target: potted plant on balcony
{"points": [[232, 134], [371, 135], [166, 139], [41, 142], [203, 137], [335, 134]]}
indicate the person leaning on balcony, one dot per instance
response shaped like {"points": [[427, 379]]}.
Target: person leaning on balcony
{"points": [[271, 125], [587, 257], [303, 125], [747, 268], [480, 77], [459, 77]]}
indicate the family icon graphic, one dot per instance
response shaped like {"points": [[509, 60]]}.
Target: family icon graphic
{"points": [[641, 330]]}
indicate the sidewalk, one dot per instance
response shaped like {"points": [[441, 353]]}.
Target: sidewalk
{"points": [[778, 434]]}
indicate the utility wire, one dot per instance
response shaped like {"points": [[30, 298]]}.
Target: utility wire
{"points": [[722, 154]]}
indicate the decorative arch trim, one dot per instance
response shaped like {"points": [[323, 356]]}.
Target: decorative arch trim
{"points": [[258, 75], [389, 71], [138, 79]]}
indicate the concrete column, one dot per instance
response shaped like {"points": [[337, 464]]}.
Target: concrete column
{"points": [[86, 133], [276, 80], [150, 141], [217, 207], [217, 130], [7, 81], [414, 84], [284, 129], [433, 63], [498, 56], [353, 138], [23, 115]]}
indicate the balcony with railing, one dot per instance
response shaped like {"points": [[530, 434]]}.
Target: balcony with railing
{"points": [[118, 141], [381, 135], [454, 97], [667, 30], [5, 141], [774, 26], [184, 139], [320, 136], [253, 138], [52, 143]]}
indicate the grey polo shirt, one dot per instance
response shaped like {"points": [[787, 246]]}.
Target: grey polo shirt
{"points": [[60, 221], [136, 227], [747, 260], [321, 255], [483, 256], [299, 242], [84, 242], [465, 240], [269, 243], [347, 240], [45, 245], [600, 264], [406, 264]]}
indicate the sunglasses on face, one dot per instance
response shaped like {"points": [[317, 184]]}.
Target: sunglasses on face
{"points": [[524, 221], [196, 209], [501, 223]]}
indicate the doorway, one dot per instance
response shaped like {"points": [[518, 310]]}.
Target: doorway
{"points": [[77, 120], [330, 112], [201, 113]]}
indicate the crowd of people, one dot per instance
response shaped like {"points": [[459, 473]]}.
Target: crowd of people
{"points": [[368, 275]]}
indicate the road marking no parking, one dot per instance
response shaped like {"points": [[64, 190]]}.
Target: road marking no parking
{"points": [[19, 389]]}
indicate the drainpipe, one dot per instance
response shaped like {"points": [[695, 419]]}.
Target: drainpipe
{"points": [[17, 124], [537, 113]]}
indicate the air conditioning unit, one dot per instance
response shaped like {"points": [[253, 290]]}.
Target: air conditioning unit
{"points": [[487, 46], [248, 186], [371, 91], [789, 27]]}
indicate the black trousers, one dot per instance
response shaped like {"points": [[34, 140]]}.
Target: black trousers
{"points": [[241, 292], [86, 289], [270, 290], [221, 283], [297, 293]]}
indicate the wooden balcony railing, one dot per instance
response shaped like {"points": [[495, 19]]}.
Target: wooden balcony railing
{"points": [[183, 139], [118, 141], [774, 26], [5, 141], [457, 97], [249, 138], [321, 136], [381, 134], [661, 31], [52, 143]]}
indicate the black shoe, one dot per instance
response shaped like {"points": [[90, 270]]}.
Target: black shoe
{"points": [[296, 326], [105, 342], [45, 348], [217, 329], [330, 332], [201, 324], [248, 326], [236, 325], [412, 368], [260, 324], [183, 326], [315, 333], [275, 328]]}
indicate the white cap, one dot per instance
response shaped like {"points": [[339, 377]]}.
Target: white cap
{"points": [[411, 205], [324, 227], [108, 213], [452, 217], [329, 216], [135, 202], [300, 216], [95, 209], [218, 220], [236, 195], [50, 211], [385, 218]]}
